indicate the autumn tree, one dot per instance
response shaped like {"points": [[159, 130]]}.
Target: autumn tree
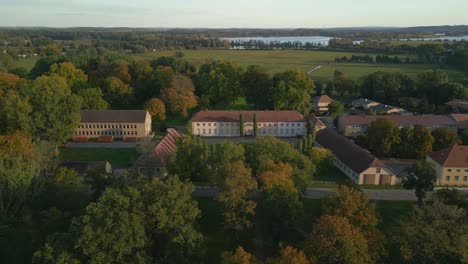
{"points": [[8, 81], [117, 93], [93, 99], [335, 240], [239, 256], [290, 255], [421, 178], [156, 108], [444, 138], [422, 141], [383, 135], [180, 96]]}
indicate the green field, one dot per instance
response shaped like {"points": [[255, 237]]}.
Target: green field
{"points": [[27, 63], [280, 60], [116, 157]]}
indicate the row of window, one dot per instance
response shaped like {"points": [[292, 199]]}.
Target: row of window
{"points": [[457, 170], [106, 133], [456, 178], [107, 126]]}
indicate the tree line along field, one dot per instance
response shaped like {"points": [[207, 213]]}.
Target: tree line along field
{"points": [[279, 60]]}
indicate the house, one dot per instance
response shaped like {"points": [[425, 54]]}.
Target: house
{"points": [[115, 123], [319, 125], [462, 121], [382, 109], [320, 103], [226, 123], [83, 167], [363, 103], [355, 125], [451, 165], [153, 163], [459, 106], [357, 163]]}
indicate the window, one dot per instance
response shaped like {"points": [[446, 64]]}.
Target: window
{"points": [[465, 178], [449, 170], [209, 124], [458, 170], [378, 170], [466, 170], [204, 131], [456, 178], [447, 178]]}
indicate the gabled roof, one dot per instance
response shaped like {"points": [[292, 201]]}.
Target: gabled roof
{"points": [[234, 115], [458, 103], [454, 156], [312, 118], [113, 116], [462, 120], [355, 157], [400, 119], [162, 152], [322, 99]]}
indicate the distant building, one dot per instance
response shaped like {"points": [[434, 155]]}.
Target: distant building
{"points": [[357, 163], [225, 123], [355, 125], [459, 106], [153, 164], [382, 109], [83, 167], [451, 165], [363, 103], [319, 125], [320, 103], [115, 123]]}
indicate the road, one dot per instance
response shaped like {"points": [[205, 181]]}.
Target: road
{"points": [[317, 193]]}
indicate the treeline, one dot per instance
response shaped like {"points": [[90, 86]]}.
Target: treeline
{"points": [[369, 59]]}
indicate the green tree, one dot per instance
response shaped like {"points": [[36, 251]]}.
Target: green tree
{"points": [[117, 92], [436, 233], [311, 133], [422, 141], [189, 161], [257, 82], [292, 90], [290, 255], [255, 124], [452, 197], [76, 78], [382, 136], [444, 138], [241, 125], [240, 256], [335, 240], [15, 113], [92, 99], [421, 178], [336, 109]]}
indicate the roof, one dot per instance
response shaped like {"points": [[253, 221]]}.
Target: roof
{"points": [[400, 119], [85, 166], [233, 116], [454, 156], [322, 99], [462, 120], [381, 107], [362, 101], [113, 116], [355, 157], [162, 151], [458, 103], [312, 118]]}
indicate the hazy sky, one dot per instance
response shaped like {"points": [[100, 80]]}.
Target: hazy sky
{"points": [[233, 13]]}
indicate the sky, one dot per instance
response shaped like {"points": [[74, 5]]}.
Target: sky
{"points": [[233, 13]]}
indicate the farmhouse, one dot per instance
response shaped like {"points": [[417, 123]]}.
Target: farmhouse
{"points": [[225, 123], [451, 165], [320, 103], [357, 163], [114, 123], [355, 125]]}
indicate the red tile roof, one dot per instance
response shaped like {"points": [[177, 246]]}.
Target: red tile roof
{"points": [[355, 157], [233, 116], [400, 119], [312, 118], [462, 120], [162, 152], [454, 156], [322, 99]]}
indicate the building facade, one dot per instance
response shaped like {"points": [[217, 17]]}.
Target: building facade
{"points": [[320, 103], [220, 123], [355, 125], [451, 165], [115, 123], [355, 162]]}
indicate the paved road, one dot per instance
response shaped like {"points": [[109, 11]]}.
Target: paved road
{"points": [[317, 193]]}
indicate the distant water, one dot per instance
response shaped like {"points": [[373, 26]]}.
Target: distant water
{"points": [[442, 38], [311, 39]]}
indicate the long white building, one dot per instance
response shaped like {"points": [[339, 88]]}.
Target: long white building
{"points": [[225, 123]]}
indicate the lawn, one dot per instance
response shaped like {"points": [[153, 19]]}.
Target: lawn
{"points": [[280, 60], [116, 157], [27, 63]]}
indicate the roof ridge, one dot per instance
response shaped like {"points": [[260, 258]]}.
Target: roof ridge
{"points": [[449, 154]]}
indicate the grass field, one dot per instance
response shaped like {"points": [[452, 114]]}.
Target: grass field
{"points": [[116, 157], [27, 63], [280, 60]]}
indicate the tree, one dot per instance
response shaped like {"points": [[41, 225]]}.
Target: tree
{"points": [[336, 109], [19, 164], [240, 256], [188, 162], [311, 133], [237, 208], [117, 92], [383, 135], [444, 138], [421, 178], [422, 141], [180, 97], [292, 90], [290, 255], [452, 197], [76, 78], [436, 233], [92, 99], [15, 113], [8, 81], [255, 124], [334, 240], [322, 158], [257, 82], [156, 108], [353, 205], [54, 117]]}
